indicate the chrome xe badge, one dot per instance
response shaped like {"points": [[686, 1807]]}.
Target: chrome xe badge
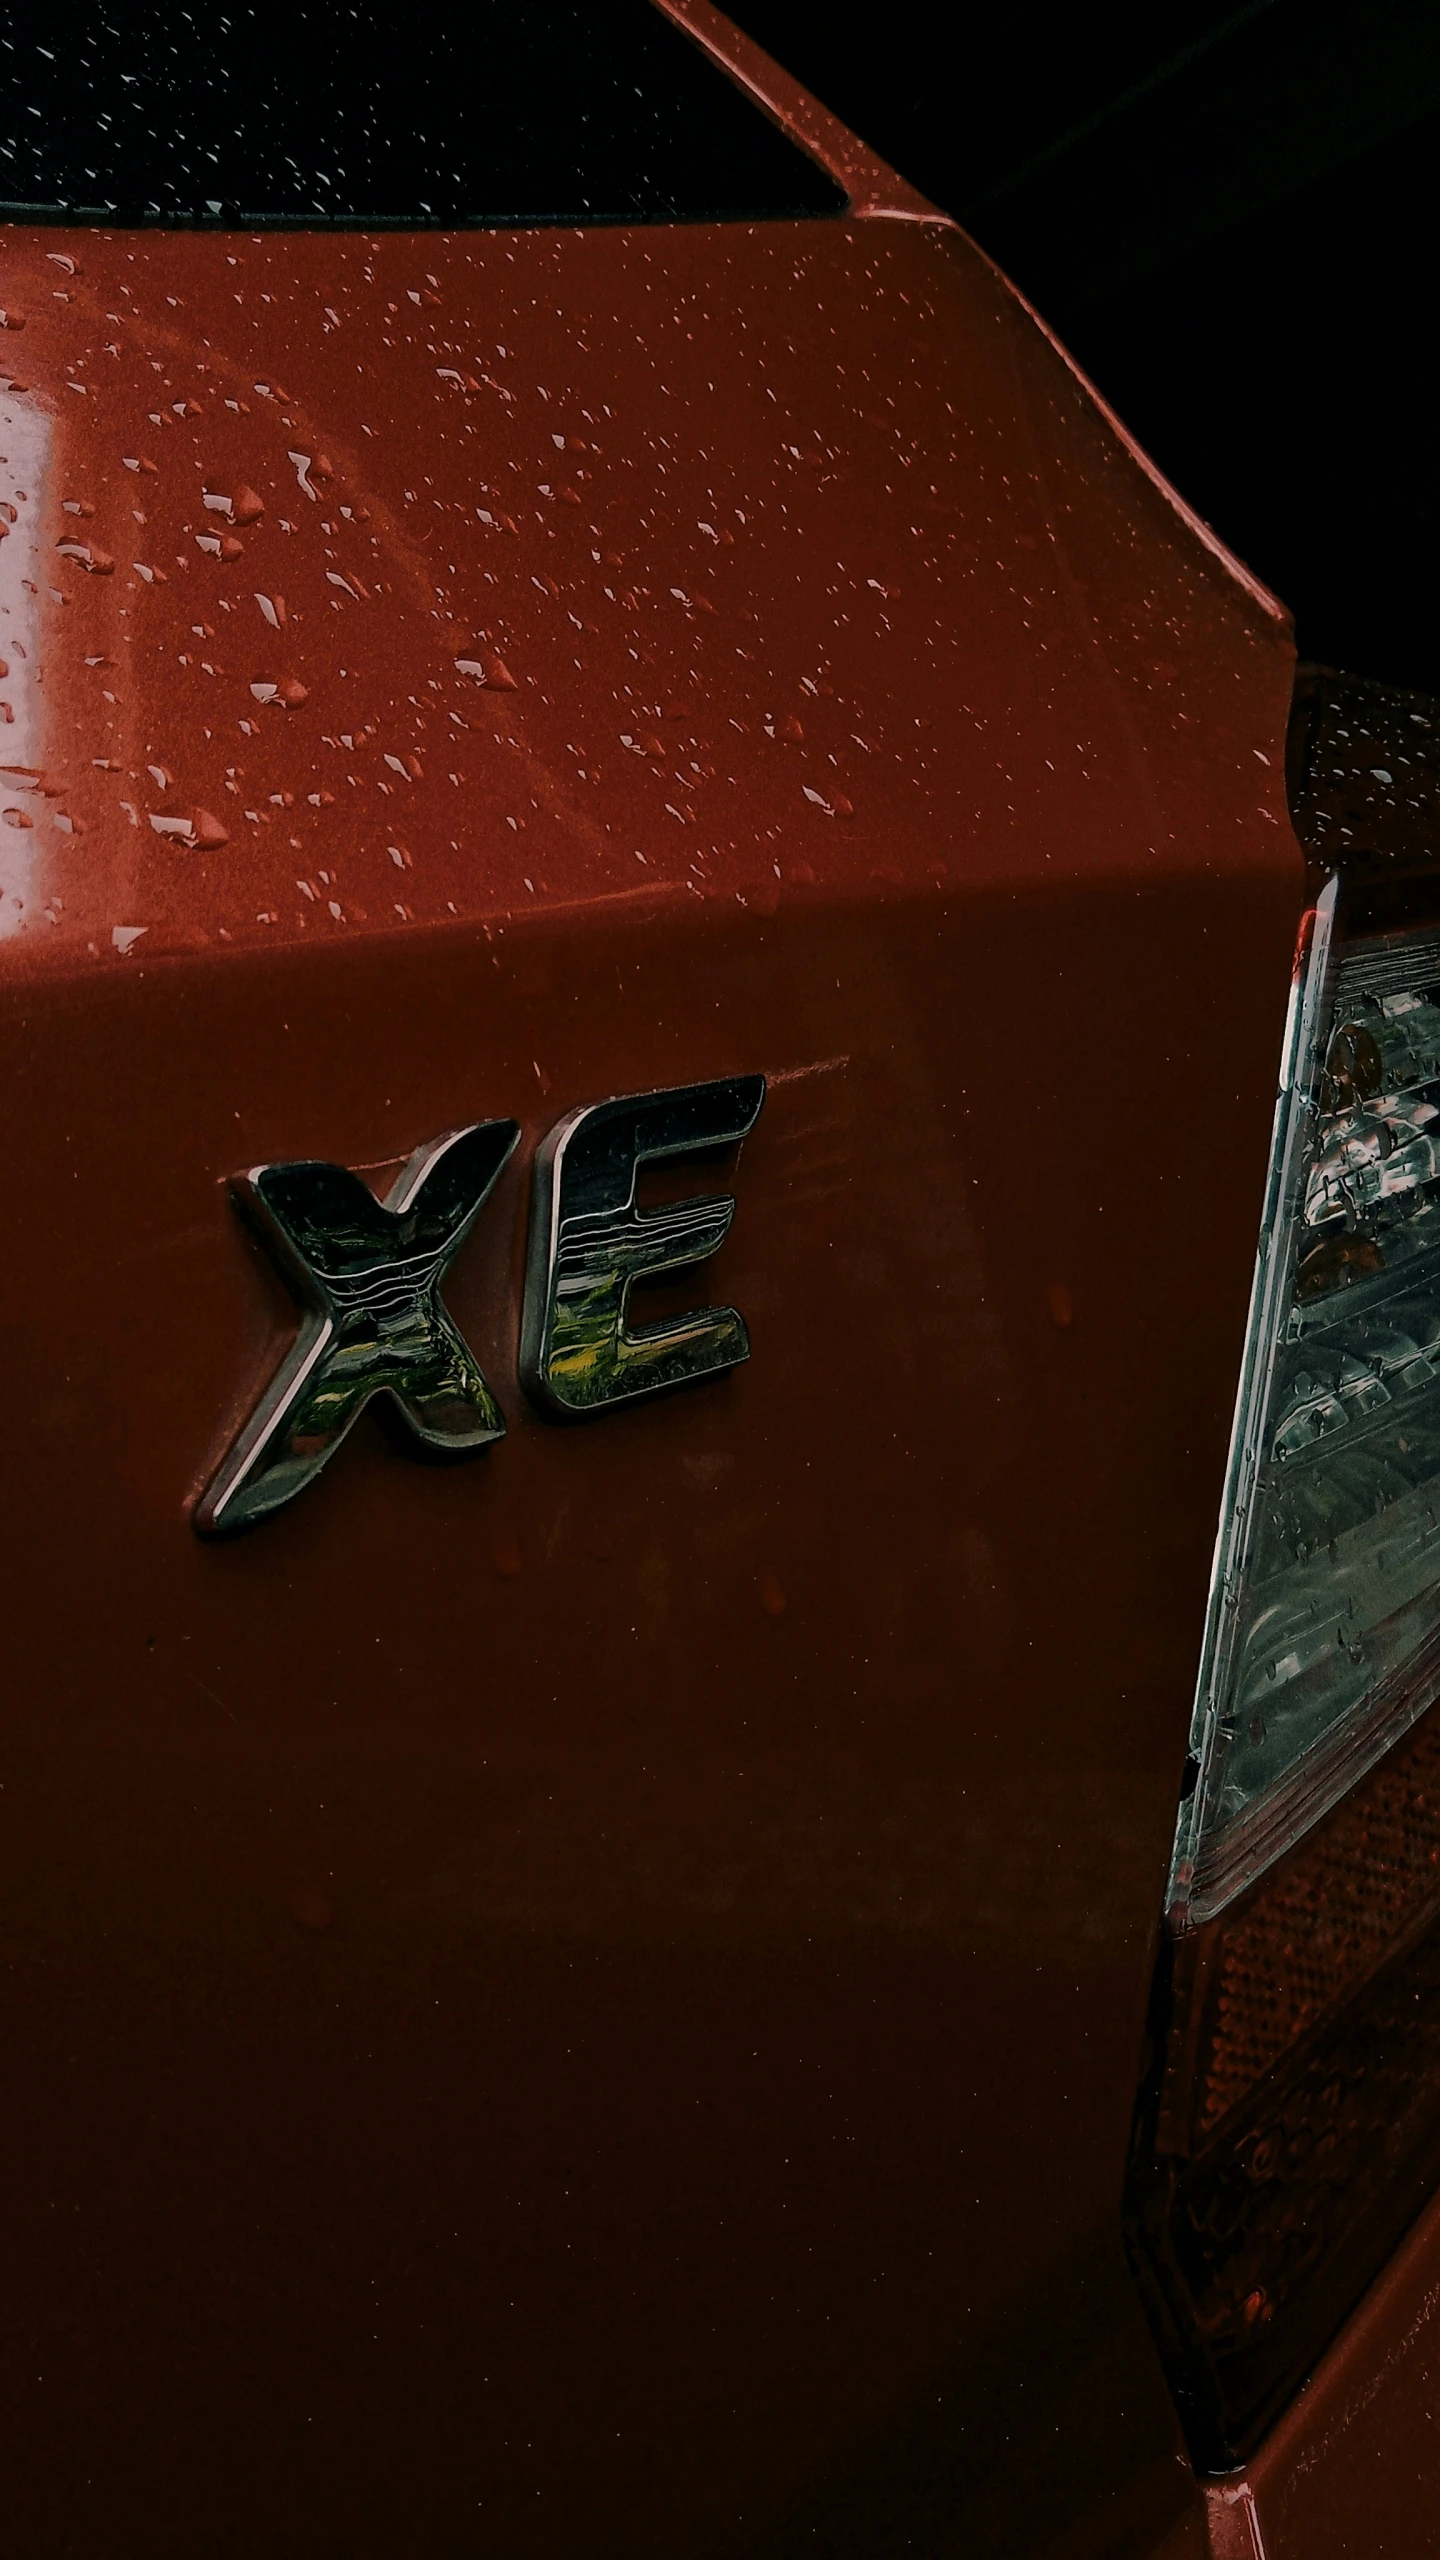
{"points": [[367, 1276]]}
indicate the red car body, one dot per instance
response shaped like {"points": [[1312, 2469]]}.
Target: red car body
{"points": [[593, 2000]]}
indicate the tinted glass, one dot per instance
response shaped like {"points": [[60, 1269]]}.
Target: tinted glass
{"points": [[457, 111]]}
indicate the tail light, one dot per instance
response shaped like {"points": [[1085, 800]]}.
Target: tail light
{"points": [[1288, 2126]]}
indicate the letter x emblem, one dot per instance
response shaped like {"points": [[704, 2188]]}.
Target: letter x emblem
{"points": [[367, 1275]]}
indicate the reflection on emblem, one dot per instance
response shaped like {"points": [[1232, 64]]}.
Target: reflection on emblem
{"points": [[368, 1277], [589, 1244]]}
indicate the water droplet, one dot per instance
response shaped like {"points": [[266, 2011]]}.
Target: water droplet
{"points": [[489, 670], [89, 555]]}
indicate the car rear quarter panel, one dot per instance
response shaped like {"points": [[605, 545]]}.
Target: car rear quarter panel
{"points": [[597, 1994]]}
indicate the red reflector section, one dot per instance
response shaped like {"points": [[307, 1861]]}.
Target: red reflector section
{"points": [[1317, 1926], [1289, 2124]]}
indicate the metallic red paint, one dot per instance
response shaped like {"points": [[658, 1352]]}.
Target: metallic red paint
{"points": [[593, 1998], [1350, 2466]]}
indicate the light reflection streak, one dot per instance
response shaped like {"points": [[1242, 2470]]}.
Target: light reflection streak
{"points": [[25, 439]]}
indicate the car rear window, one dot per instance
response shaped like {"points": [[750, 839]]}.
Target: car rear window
{"points": [[445, 112]]}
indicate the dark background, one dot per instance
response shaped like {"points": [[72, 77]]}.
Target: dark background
{"points": [[1232, 218]]}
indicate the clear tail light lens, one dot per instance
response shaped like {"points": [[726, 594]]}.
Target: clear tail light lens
{"points": [[1289, 2123], [1323, 1636]]}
